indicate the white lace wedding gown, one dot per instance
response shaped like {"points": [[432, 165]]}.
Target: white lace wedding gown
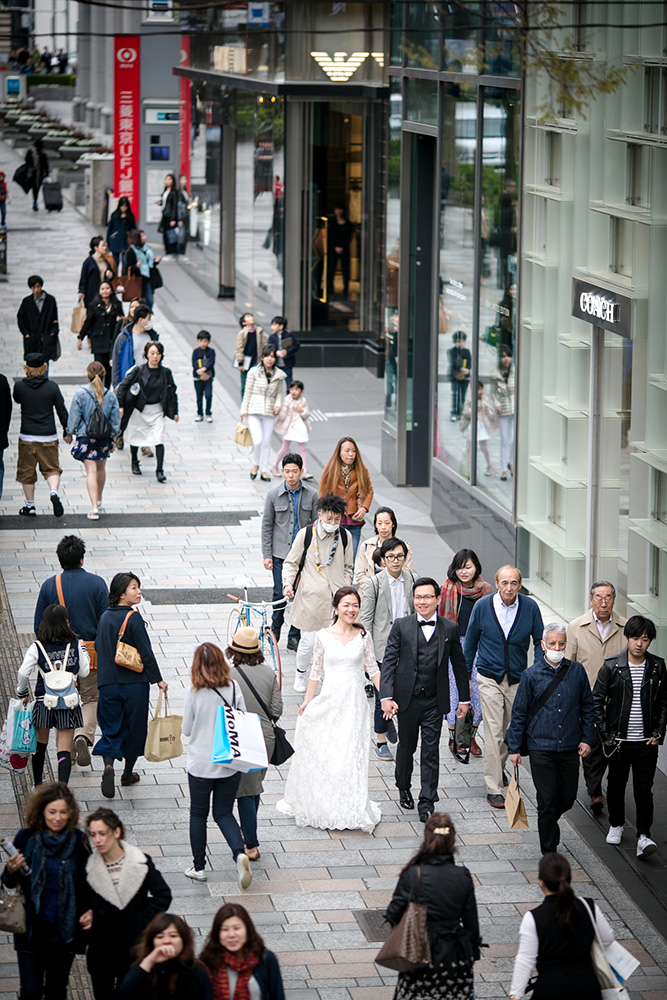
{"points": [[327, 785]]}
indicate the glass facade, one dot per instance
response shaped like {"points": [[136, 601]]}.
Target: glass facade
{"points": [[392, 249]]}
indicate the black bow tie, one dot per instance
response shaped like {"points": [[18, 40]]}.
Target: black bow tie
{"points": [[427, 623]]}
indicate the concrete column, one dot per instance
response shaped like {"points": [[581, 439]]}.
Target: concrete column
{"points": [[83, 72]]}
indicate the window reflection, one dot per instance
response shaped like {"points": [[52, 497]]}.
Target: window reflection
{"points": [[498, 292], [392, 250], [456, 300], [460, 50]]}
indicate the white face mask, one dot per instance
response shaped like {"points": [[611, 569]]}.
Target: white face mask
{"points": [[329, 528], [555, 655]]}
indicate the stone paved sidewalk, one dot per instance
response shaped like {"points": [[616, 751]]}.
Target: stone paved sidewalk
{"points": [[308, 883]]}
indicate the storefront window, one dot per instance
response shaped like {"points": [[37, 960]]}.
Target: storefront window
{"points": [[460, 52], [260, 201], [392, 250], [423, 35], [456, 298], [501, 52], [397, 41], [498, 294], [246, 38]]}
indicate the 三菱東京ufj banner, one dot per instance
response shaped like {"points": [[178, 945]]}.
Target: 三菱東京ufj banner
{"points": [[127, 131]]}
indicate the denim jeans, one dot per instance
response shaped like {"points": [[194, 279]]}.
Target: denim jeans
{"points": [[204, 391], [355, 532], [44, 971], [248, 809], [224, 795]]}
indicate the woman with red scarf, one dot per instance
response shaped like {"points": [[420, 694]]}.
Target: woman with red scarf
{"points": [[239, 965], [464, 585]]}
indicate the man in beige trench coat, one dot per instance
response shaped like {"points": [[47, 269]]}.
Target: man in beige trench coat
{"points": [[322, 558]]}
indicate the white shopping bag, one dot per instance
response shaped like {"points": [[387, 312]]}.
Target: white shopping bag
{"points": [[9, 758], [239, 740]]}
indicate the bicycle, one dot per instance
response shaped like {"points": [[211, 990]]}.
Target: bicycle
{"points": [[242, 617]]}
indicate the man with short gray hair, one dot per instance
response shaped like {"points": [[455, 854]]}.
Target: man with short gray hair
{"points": [[552, 717], [591, 638]]}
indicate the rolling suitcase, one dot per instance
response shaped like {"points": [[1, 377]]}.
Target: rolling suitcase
{"points": [[53, 196]]}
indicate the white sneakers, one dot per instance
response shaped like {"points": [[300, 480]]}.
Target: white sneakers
{"points": [[645, 846], [615, 834], [300, 682], [243, 868], [195, 875]]}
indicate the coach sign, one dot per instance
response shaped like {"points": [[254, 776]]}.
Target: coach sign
{"points": [[601, 307]]}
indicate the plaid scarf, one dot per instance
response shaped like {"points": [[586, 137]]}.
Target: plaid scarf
{"points": [[453, 592], [241, 964]]}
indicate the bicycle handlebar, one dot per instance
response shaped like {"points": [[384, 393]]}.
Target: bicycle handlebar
{"points": [[258, 607]]}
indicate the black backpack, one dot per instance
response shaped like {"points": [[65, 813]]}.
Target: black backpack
{"points": [[98, 426]]}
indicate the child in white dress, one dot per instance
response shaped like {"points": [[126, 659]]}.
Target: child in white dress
{"points": [[293, 423]]}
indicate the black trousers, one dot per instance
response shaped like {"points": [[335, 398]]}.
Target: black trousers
{"points": [[642, 759], [595, 766], [105, 361], [556, 777], [45, 971], [422, 714], [278, 616], [107, 972]]}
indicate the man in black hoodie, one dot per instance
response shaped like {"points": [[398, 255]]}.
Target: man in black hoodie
{"points": [[38, 439]]}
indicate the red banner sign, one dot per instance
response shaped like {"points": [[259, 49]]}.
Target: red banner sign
{"points": [[185, 119], [127, 131]]}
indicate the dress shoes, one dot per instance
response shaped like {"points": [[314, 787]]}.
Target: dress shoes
{"points": [[597, 805], [475, 748], [425, 815], [405, 799]]}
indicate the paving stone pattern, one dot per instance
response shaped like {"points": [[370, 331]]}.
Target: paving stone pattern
{"points": [[308, 883]]}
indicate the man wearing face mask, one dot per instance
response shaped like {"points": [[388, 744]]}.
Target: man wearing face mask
{"points": [[553, 716], [319, 563]]}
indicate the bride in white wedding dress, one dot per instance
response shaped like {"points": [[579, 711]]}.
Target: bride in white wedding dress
{"points": [[327, 785]]}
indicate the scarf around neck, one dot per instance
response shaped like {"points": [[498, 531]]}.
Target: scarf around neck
{"points": [[243, 965], [453, 592], [44, 847]]}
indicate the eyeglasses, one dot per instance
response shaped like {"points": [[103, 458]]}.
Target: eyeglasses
{"points": [[392, 558]]}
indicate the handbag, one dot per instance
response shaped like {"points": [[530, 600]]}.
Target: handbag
{"points": [[172, 235], [24, 175], [12, 910], [539, 704], [163, 741], [408, 948], [132, 287], [282, 749], [610, 984], [78, 319], [156, 278], [242, 435], [514, 807], [126, 655]]}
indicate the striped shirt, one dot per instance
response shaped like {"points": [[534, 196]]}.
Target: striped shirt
{"points": [[636, 720], [115, 869]]}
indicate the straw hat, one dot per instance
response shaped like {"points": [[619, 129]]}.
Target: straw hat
{"points": [[245, 640]]}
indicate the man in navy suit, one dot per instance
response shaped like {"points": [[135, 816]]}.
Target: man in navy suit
{"points": [[415, 684]]}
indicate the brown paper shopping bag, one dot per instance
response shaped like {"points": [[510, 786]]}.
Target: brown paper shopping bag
{"points": [[78, 319], [164, 734], [514, 807]]}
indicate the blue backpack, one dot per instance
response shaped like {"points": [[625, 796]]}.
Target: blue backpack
{"points": [[60, 689], [125, 355]]}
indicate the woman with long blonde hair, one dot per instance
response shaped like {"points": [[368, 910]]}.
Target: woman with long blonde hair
{"points": [[94, 451], [346, 475]]}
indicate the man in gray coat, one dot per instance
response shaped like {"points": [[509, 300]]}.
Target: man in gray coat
{"points": [[386, 597], [287, 508]]}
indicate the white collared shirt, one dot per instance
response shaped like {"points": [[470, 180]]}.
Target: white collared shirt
{"points": [[428, 632], [603, 627], [504, 613], [399, 605]]}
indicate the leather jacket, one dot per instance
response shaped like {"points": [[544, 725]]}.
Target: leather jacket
{"points": [[131, 392], [612, 698]]}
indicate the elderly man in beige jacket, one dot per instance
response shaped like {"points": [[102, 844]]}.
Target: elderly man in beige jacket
{"points": [[322, 558], [591, 638]]}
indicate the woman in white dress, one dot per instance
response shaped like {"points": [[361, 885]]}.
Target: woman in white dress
{"points": [[324, 790]]}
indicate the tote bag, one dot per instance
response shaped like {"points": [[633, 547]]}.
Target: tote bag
{"points": [[408, 948], [164, 733], [609, 981], [24, 734], [238, 740]]}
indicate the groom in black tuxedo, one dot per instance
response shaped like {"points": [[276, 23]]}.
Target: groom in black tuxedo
{"points": [[415, 684]]}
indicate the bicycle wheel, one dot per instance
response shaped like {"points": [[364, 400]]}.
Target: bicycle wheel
{"points": [[236, 621], [272, 653]]}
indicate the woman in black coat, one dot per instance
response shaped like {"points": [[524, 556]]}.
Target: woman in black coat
{"points": [[446, 889], [148, 395], [122, 707], [56, 892], [174, 213], [126, 892], [97, 267], [166, 966], [100, 326], [121, 224]]}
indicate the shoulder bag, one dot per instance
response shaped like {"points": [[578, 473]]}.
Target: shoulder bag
{"points": [[12, 910], [282, 749], [408, 948], [126, 655], [610, 981], [539, 705]]}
